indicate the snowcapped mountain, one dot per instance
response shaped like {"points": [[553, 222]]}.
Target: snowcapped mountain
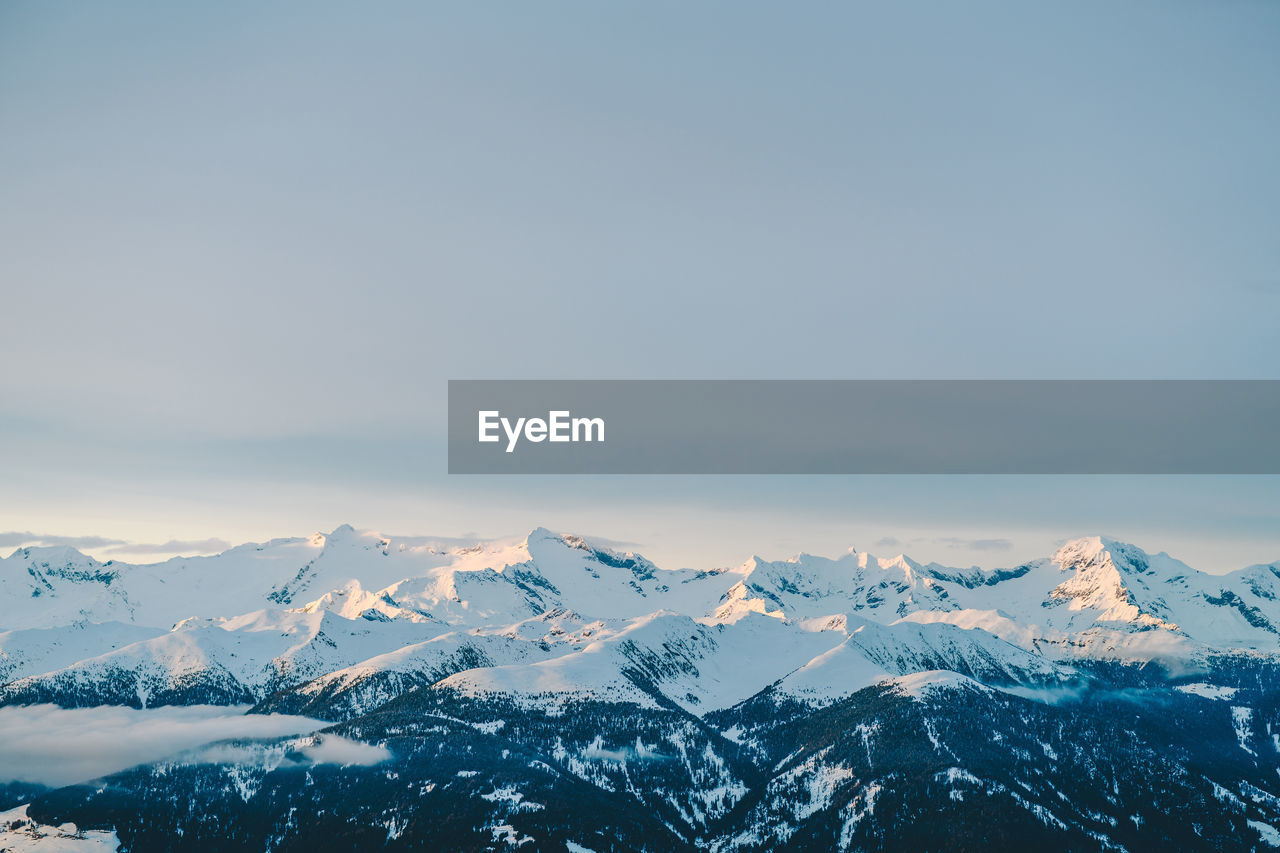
{"points": [[554, 613], [807, 701]]}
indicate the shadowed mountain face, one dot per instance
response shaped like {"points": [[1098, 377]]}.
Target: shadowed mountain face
{"points": [[552, 693]]}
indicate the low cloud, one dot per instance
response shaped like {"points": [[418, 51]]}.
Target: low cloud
{"points": [[19, 538], [48, 745], [958, 542], [108, 546], [612, 544], [624, 754], [173, 546], [333, 749], [301, 752], [976, 544]]}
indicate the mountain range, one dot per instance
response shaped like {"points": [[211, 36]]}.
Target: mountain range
{"points": [[553, 692]]}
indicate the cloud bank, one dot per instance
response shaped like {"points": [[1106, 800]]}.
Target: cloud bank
{"points": [[27, 538], [48, 745], [173, 546], [950, 542], [19, 538]]}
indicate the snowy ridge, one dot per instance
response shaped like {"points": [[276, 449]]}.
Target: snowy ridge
{"points": [[346, 621]]}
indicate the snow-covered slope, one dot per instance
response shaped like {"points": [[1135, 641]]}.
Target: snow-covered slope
{"points": [[36, 650], [216, 660], [662, 658], [352, 690], [21, 834]]}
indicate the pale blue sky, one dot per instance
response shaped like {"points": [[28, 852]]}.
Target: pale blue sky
{"points": [[245, 246]]}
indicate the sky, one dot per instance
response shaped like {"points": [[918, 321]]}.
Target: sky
{"points": [[247, 244]]}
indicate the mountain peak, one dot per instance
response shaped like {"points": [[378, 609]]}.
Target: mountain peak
{"points": [[539, 534], [1091, 551], [55, 555], [342, 531]]}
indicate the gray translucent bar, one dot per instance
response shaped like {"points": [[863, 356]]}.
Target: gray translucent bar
{"points": [[874, 427]]}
